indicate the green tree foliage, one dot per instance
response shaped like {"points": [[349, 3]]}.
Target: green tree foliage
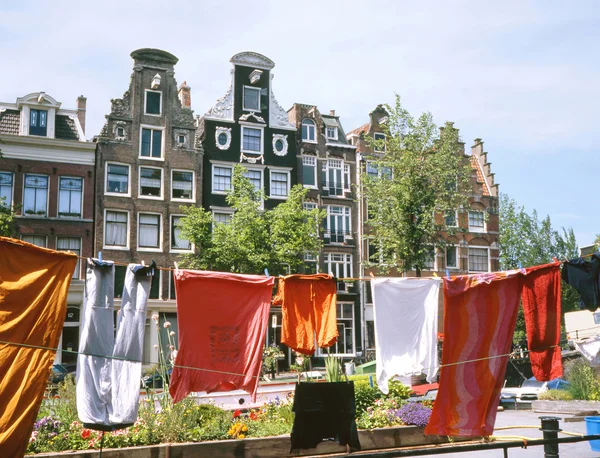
{"points": [[423, 172], [527, 240], [254, 239], [7, 216]]}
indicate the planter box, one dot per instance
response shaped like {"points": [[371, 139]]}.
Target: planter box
{"points": [[567, 407], [275, 447]]}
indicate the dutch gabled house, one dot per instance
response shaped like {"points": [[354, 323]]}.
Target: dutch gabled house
{"points": [[472, 235], [326, 165], [248, 126], [47, 176], [148, 165]]}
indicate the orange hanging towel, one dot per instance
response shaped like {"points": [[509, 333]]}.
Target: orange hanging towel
{"points": [[308, 307], [33, 294]]}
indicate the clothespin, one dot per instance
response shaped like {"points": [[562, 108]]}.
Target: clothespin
{"points": [[267, 272], [143, 262], [100, 255], [520, 266], [447, 274], [372, 276], [435, 275]]}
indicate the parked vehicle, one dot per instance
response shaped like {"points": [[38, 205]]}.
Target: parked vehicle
{"points": [[531, 389], [155, 379], [581, 324]]}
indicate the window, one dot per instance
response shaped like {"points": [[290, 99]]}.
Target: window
{"points": [[221, 179], [255, 177], [116, 229], [35, 197], [120, 272], [374, 251], [331, 133], [309, 131], [338, 223], [332, 177], [182, 185], [310, 206], [452, 257], [345, 326], [251, 98], [251, 140], [339, 265], [151, 145], [280, 184], [430, 259], [450, 219], [380, 142], [70, 197], [347, 177], [222, 218], [181, 139], [177, 241], [172, 294], [38, 120], [120, 132], [375, 171], [6, 188], [117, 179], [478, 259], [223, 137], [153, 102], [309, 171], [70, 244], [476, 221], [37, 240], [150, 182], [149, 231]]}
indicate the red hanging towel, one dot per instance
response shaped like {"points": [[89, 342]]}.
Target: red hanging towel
{"points": [[222, 320], [541, 306], [480, 313]]}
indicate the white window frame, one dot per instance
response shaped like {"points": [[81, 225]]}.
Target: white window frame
{"points": [[77, 271], [45, 237], [376, 139], [346, 262], [162, 183], [32, 215], [10, 202], [476, 228], [286, 172], [433, 268], [118, 194], [335, 133], [82, 197], [346, 212], [326, 185], [457, 266], [177, 250], [262, 139], [212, 178], [128, 231], [489, 267], [455, 218], [347, 174], [227, 132], [313, 127], [179, 199], [254, 169], [160, 232], [257, 110], [321, 352], [307, 158], [221, 211], [160, 105], [162, 143]]}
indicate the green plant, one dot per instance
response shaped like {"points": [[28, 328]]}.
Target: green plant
{"points": [[333, 368], [270, 355], [584, 384], [555, 395]]}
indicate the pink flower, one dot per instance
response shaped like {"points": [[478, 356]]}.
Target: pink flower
{"points": [[167, 324]]}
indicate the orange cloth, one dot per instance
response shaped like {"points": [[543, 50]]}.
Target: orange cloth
{"points": [[480, 313], [222, 320], [308, 306], [33, 294]]}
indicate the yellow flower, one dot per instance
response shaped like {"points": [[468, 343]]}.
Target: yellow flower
{"points": [[244, 428], [241, 436]]}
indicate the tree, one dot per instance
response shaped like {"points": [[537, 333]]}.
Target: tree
{"points": [[422, 173], [7, 217], [254, 239], [528, 241]]}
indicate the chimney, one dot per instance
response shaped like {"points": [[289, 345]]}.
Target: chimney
{"points": [[332, 112], [81, 104], [185, 95]]}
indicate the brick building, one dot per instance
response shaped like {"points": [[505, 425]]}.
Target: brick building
{"points": [[472, 244], [148, 165], [326, 166], [47, 176]]}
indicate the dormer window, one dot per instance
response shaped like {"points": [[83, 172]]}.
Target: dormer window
{"points": [[153, 102], [38, 122], [251, 98], [331, 133]]}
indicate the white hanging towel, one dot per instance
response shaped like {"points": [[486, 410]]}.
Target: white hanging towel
{"points": [[590, 349], [406, 316]]}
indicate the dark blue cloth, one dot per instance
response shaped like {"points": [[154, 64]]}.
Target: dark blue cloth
{"points": [[583, 274]]}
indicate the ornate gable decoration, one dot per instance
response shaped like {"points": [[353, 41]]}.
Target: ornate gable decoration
{"points": [[252, 114], [252, 59], [278, 117], [223, 109]]}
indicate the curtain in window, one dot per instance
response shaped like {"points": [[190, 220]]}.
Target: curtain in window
{"points": [[70, 244], [178, 242], [116, 228], [149, 231], [36, 190], [69, 202]]}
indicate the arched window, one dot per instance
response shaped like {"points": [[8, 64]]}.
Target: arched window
{"points": [[309, 130]]}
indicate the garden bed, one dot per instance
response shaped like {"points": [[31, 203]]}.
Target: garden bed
{"points": [[276, 447], [567, 407]]}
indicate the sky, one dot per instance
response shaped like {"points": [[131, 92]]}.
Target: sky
{"points": [[522, 75]]}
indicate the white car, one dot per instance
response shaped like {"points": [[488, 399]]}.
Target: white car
{"points": [[530, 390]]}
